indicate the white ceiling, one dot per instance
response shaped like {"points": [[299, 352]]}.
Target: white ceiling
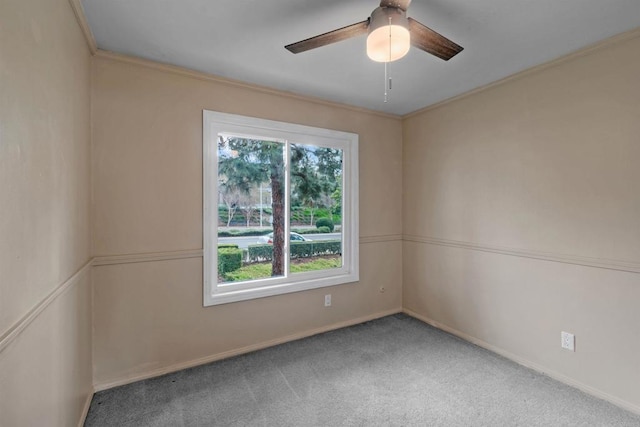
{"points": [[244, 40]]}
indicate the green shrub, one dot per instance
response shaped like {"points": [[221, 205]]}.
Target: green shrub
{"points": [[305, 230], [315, 248], [229, 259], [325, 222], [301, 215], [263, 270], [324, 229], [227, 245], [243, 233], [261, 253]]}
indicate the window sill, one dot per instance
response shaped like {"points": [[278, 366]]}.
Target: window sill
{"points": [[303, 284]]}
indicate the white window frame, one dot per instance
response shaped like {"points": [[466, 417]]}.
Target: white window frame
{"points": [[214, 124]]}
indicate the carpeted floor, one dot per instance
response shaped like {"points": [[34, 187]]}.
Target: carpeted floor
{"points": [[395, 371]]}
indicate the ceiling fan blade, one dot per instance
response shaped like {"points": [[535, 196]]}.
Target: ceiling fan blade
{"points": [[428, 40], [400, 4], [330, 37]]}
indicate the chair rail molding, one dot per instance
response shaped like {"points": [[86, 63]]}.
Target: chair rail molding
{"points": [[16, 329], [609, 264]]}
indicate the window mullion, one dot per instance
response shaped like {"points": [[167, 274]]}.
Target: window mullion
{"points": [[287, 207]]}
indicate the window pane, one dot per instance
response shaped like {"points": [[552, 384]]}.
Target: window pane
{"points": [[316, 208], [250, 209]]}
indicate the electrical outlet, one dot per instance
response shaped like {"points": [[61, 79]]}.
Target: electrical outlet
{"points": [[568, 341], [327, 300]]}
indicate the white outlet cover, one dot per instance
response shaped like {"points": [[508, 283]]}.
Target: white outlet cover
{"points": [[568, 341], [327, 300]]}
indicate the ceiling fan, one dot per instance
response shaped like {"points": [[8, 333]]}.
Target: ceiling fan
{"points": [[390, 35]]}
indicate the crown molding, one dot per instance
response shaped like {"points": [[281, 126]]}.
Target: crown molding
{"points": [[78, 10], [185, 72], [603, 44]]}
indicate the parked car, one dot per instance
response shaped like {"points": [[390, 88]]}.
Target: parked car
{"points": [[294, 237]]}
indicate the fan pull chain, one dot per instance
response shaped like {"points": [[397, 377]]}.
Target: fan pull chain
{"points": [[386, 72], [385, 83]]}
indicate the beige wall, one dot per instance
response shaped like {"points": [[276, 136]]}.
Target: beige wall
{"points": [[45, 331], [522, 218], [147, 183], [519, 209]]}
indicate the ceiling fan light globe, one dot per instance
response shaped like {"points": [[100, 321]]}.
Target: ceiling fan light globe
{"points": [[389, 38], [378, 41]]}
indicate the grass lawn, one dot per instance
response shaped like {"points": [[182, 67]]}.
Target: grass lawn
{"points": [[263, 269]]}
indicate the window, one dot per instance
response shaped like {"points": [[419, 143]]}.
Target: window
{"points": [[264, 180]]}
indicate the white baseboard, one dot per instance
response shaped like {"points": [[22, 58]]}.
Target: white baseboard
{"points": [[85, 409], [527, 363], [236, 352]]}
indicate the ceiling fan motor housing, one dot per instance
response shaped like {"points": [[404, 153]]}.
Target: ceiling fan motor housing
{"points": [[389, 38]]}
